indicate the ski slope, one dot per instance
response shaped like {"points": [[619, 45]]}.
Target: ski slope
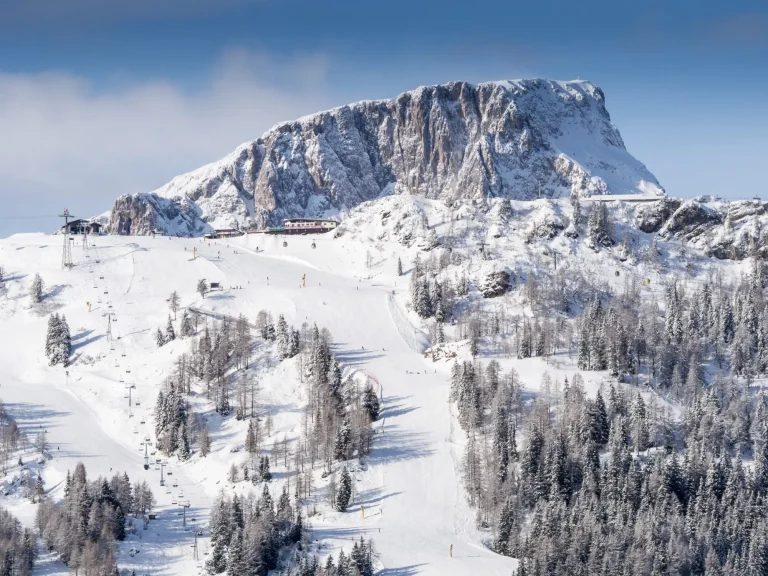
{"points": [[409, 484]]}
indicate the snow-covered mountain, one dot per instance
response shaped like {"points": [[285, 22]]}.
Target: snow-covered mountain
{"points": [[520, 139]]}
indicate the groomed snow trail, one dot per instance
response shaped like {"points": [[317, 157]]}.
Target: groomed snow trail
{"points": [[412, 489], [410, 485]]}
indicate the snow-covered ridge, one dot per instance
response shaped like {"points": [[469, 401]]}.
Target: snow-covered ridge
{"points": [[519, 139]]}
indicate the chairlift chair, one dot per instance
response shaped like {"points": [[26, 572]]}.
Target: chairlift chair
{"points": [[314, 245], [285, 244]]}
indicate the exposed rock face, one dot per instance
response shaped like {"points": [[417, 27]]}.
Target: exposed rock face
{"points": [[690, 220], [495, 283], [142, 214], [516, 139], [650, 217]]}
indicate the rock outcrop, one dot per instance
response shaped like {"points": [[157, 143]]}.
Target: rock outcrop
{"points": [[521, 139]]}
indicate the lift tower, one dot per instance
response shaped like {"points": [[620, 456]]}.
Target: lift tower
{"points": [[66, 256]]}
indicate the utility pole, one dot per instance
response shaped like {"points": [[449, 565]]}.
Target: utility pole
{"points": [[66, 256], [109, 327], [162, 478]]}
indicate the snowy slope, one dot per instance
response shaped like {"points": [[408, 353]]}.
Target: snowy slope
{"points": [[519, 139], [411, 483]]}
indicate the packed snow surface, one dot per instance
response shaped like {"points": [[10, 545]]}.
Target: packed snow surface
{"points": [[409, 485]]}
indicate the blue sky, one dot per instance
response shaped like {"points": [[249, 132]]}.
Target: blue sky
{"points": [[103, 98]]}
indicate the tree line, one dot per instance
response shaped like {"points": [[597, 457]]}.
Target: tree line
{"points": [[83, 529]]}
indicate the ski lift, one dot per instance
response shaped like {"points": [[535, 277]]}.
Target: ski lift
{"points": [[142, 420], [127, 370], [105, 292], [138, 403], [617, 273], [314, 245], [285, 244], [146, 466], [123, 354], [126, 395], [175, 485], [101, 277]]}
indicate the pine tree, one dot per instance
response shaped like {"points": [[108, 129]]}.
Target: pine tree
{"points": [[399, 267], [51, 336], [264, 472], [342, 442], [173, 303], [58, 345], [183, 442], [345, 490], [501, 444], [159, 338], [235, 566], [505, 529], [251, 445], [283, 337], [334, 380], [599, 424], [575, 214], [187, 327], [371, 403], [170, 334], [205, 441], [36, 290], [202, 287]]}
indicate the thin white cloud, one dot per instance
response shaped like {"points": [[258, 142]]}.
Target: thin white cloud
{"points": [[66, 143]]}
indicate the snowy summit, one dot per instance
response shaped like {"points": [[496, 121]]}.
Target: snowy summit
{"points": [[518, 139]]}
